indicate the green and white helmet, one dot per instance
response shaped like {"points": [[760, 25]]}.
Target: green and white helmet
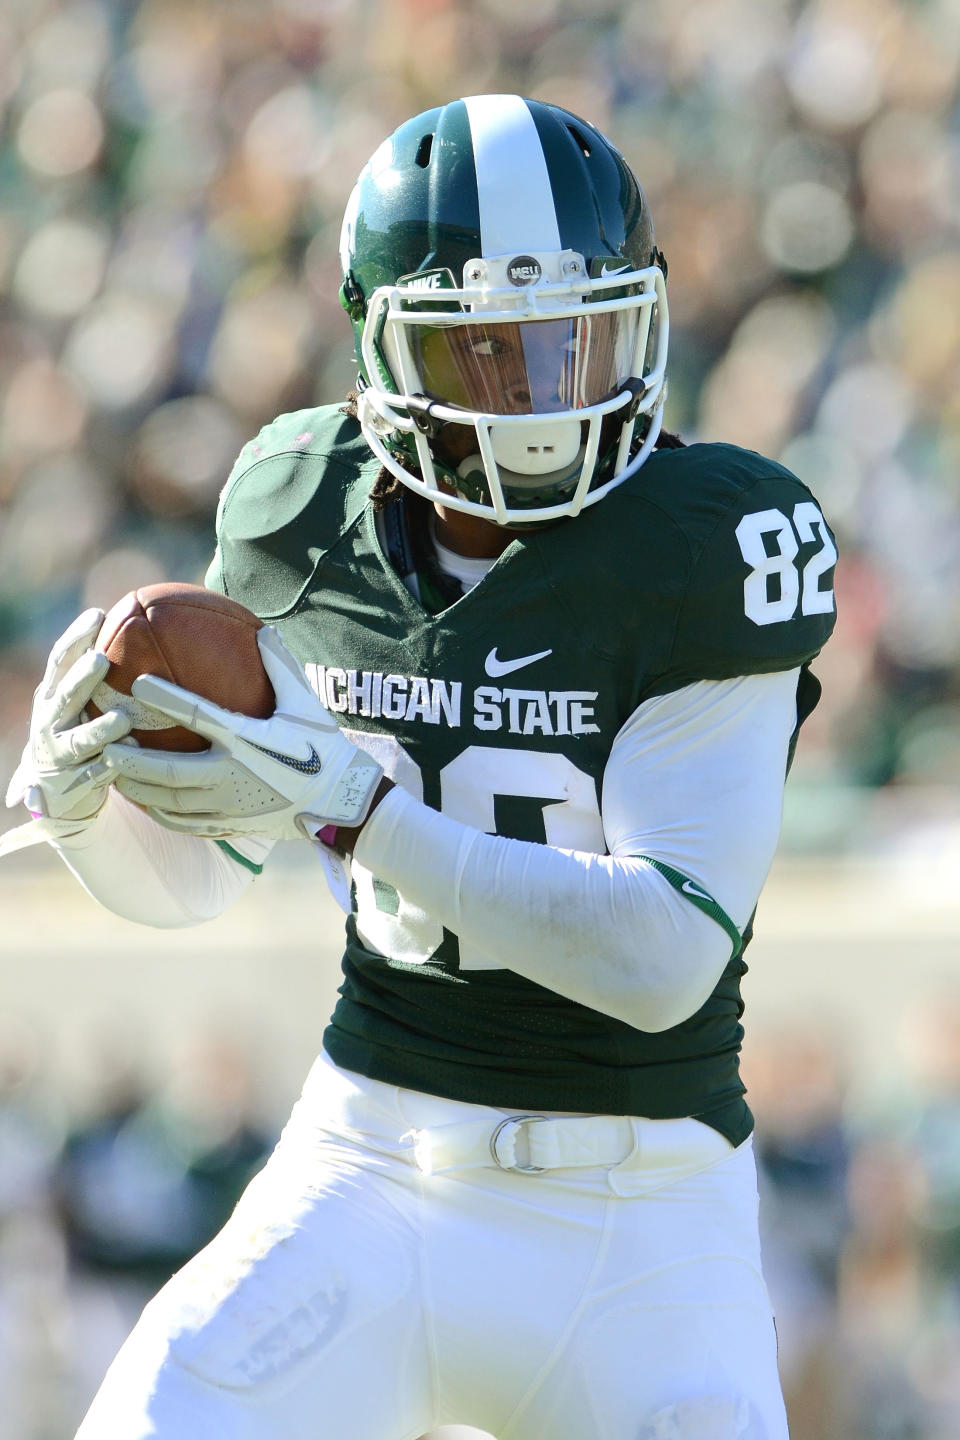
{"points": [[509, 307]]}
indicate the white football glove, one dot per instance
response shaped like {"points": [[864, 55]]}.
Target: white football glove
{"points": [[282, 778], [61, 777]]}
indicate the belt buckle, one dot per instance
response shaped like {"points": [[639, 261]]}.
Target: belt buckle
{"points": [[494, 1138]]}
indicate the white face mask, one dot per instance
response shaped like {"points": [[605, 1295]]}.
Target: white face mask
{"points": [[532, 370]]}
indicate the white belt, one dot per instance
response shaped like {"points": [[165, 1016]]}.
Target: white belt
{"points": [[527, 1143]]}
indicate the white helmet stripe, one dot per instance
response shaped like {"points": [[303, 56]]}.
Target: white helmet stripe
{"points": [[517, 213]]}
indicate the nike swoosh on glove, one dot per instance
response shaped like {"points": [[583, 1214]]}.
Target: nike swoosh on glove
{"points": [[61, 777], [282, 778]]}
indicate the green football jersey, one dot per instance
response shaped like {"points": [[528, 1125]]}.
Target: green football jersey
{"points": [[500, 710]]}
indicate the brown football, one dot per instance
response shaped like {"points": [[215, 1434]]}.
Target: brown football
{"points": [[193, 637]]}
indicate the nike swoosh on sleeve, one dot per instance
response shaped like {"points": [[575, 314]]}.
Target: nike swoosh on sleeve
{"points": [[496, 668], [689, 888]]}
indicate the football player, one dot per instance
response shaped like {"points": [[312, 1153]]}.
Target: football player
{"points": [[540, 669]]}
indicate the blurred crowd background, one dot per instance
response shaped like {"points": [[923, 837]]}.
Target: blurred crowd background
{"points": [[172, 177]]}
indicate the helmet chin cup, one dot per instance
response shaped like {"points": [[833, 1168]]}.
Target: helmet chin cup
{"points": [[535, 449], [518, 483]]}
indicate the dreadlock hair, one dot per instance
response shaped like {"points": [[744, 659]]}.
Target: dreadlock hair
{"points": [[667, 440], [387, 487]]}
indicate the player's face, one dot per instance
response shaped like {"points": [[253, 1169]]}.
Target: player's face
{"points": [[537, 367], [519, 368], [507, 368]]}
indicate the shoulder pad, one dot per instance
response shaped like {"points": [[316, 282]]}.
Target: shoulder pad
{"points": [[293, 491], [758, 595]]}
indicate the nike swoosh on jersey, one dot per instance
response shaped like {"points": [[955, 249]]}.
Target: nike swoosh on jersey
{"points": [[311, 766], [605, 271], [496, 668]]}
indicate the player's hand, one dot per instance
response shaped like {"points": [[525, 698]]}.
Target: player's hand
{"points": [[283, 778], [61, 777]]}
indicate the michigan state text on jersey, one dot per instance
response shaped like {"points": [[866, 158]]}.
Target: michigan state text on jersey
{"points": [[540, 669]]}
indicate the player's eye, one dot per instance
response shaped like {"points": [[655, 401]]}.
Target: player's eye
{"points": [[487, 347]]}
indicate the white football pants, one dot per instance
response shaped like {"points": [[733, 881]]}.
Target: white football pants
{"points": [[353, 1297]]}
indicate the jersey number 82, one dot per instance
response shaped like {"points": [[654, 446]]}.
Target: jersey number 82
{"points": [[776, 584]]}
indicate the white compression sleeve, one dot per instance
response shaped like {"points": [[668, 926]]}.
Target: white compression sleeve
{"points": [[139, 870], [694, 781]]}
